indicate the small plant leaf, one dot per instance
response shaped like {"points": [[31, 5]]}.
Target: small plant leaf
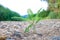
{"points": [[30, 14], [28, 28], [39, 10], [37, 20]]}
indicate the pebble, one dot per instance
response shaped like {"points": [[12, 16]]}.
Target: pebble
{"points": [[44, 30]]}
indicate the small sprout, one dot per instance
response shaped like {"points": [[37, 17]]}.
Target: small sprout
{"points": [[35, 19]]}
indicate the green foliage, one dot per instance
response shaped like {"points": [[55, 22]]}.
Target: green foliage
{"points": [[18, 19], [40, 15], [43, 14], [6, 14], [30, 14], [58, 17], [34, 18], [53, 15]]}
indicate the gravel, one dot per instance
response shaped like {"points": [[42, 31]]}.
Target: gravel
{"points": [[45, 30]]}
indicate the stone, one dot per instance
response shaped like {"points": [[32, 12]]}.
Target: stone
{"points": [[18, 34], [56, 38]]}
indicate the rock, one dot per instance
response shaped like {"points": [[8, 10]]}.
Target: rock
{"points": [[10, 38], [18, 35], [3, 26], [40, 35], [56, 38]]}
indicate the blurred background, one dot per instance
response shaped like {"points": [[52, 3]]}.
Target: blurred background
{"points": [[21, 6], [25, 10]]}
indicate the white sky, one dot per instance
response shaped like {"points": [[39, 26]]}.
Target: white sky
{"points": [[21, 6]]}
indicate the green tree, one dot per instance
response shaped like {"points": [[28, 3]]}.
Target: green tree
{"points": [[6, 14], [54, 5]]}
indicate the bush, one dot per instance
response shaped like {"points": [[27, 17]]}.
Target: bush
{"points": [[52, 15], [43, 13]]}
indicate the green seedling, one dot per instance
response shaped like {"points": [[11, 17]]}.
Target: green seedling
{"points": [[35, 19]]}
